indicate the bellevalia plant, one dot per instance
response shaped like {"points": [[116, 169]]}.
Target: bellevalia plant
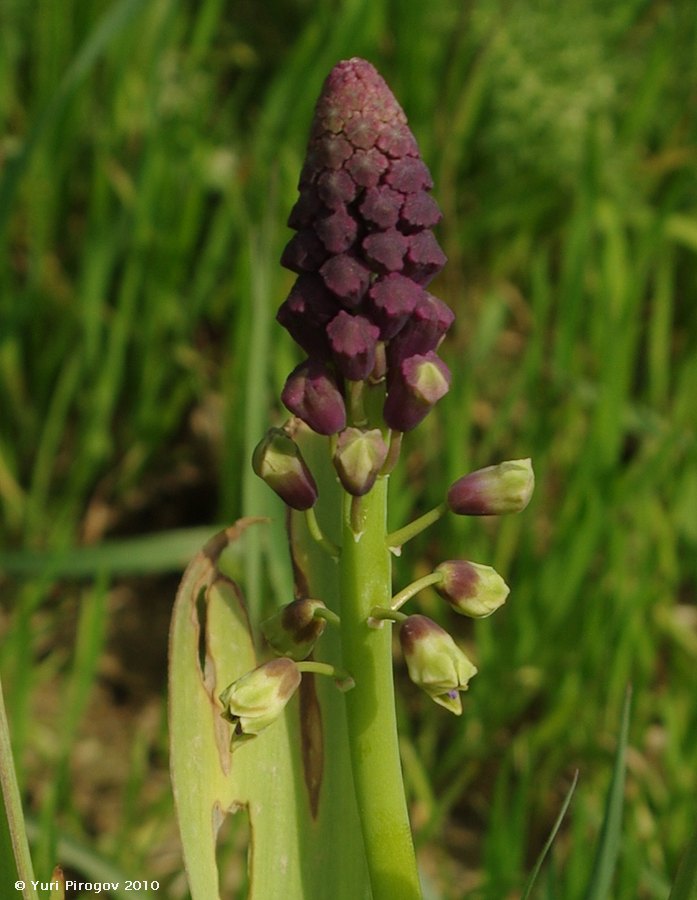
{"points": [[364, 253]]}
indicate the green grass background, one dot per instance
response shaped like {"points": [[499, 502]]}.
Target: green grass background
{"points": [[149, 154]]}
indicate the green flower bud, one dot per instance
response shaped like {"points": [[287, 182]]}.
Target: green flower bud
{"points": [[277, 461], [294, 629], [471, 589], [493, 491], [358, 459], [435, 662], [258, 698]]}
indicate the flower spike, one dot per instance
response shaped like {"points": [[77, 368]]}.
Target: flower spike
{"points": [[364, 252]]}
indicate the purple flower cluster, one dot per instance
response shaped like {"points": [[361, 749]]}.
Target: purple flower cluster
{"points": [[364, 253]]}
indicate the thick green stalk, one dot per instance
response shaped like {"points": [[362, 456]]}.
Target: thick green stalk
{"points": [[367, 654]]}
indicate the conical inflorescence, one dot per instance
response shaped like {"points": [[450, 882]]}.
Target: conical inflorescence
{"points": [[364, 253]]}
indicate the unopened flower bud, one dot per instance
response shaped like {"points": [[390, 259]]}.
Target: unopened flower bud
{"points": [[413, 390], [435, 662], [277, 460], [358, 458], [353, 340], [258, 698], [471, 589], [311, 393], [294, 629], [493, 491]]}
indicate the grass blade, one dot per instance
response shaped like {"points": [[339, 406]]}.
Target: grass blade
{"points": [[149, 554], [112, 23], [14, 847], [611, 833], [527, 893]]}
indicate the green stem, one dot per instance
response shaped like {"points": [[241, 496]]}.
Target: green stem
{"points": [[410, 590], [318, 535], [343, 680], [402, 535], [327, 615], [381, 614], [365, 577]]}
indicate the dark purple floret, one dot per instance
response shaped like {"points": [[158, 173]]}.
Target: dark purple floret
{"points": [[311, 393], [413, 389], [381, 206], [306, 314], [391, 300], [337, 231], [385, 250], [306, 210], [347, 277], [423, 330], [409, 175], [420, 210], [424, 258], [333, 152], [366, 167], [353, 340], [304, 252], [336, 189], [396, 141]]}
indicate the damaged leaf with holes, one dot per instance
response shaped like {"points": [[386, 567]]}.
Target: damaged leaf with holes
{"points": [[210, 647]]}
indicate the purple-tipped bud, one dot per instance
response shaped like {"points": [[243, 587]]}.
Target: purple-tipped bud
{"points": [[423, 329], [277, 460], [353, 341], [493, 491], [347, 277], [435, 662], [358, 459], [414, 389], [471, 589], [424, 258], [311, 393], [337, 231], [385, 250], [257, 699], [420, 211], [306, 313], [304, 252], [381, 206], [391, 300], [295, 629]]}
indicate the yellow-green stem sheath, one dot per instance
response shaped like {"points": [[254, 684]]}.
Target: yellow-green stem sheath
{"points": [[365, 568]]}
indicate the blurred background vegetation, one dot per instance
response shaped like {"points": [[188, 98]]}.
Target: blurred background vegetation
{"points": [[149, 156]]}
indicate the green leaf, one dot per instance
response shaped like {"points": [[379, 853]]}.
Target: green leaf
{"points": [[15, 859], [611, 833], [292, 779], [166, 551], [527, 893]]}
